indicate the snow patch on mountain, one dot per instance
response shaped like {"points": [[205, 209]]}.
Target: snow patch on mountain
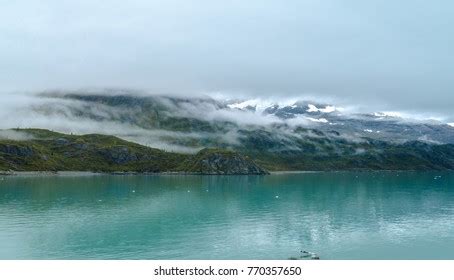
{"points": [[327, 109], [244, 104], [261, 104], [389, 114]]}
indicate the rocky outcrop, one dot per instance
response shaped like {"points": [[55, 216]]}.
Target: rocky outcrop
{"points": [[222, 162], [16, 150], [118, 155]]}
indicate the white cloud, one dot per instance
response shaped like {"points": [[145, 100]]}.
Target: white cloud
{"points": [[321, 120], [15, 135]]}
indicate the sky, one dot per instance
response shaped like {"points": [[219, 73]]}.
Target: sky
{"points": [[389, 55]]}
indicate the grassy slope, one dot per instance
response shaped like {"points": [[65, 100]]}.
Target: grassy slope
{"points": [[409, 156], [44, 150], [48, 150]]}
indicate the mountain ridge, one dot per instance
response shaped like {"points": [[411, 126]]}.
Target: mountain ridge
{"points": [[300, 135]]}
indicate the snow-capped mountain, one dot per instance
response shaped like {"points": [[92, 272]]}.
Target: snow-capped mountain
{"points": [[127, 113], [390, 126], [281, 135]]}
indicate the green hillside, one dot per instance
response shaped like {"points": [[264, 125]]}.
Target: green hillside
{"points": [[44, 150]]}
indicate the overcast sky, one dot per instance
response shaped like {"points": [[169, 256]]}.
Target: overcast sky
{"points": [[395, 54]]}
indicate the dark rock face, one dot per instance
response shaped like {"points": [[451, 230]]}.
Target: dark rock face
{"points": [[225, 163], [17, 150], [119, 155]]}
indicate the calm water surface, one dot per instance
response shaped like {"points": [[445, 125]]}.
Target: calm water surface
{"points": [[384, 215]]}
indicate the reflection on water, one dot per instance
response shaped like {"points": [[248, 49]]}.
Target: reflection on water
{"points": [[384, 215]]}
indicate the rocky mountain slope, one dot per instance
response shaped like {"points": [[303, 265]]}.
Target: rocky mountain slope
{"points": [[209, 115], [300, 135], [216, 161], [43, 150]]}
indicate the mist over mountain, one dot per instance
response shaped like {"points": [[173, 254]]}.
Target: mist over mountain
{"points": [[179, 123], [296, 133]]}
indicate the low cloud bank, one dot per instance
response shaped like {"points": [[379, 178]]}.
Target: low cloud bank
{"points": [[55, 111]]}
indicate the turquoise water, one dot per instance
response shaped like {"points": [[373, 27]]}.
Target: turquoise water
{"points": [[388, 215]]}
